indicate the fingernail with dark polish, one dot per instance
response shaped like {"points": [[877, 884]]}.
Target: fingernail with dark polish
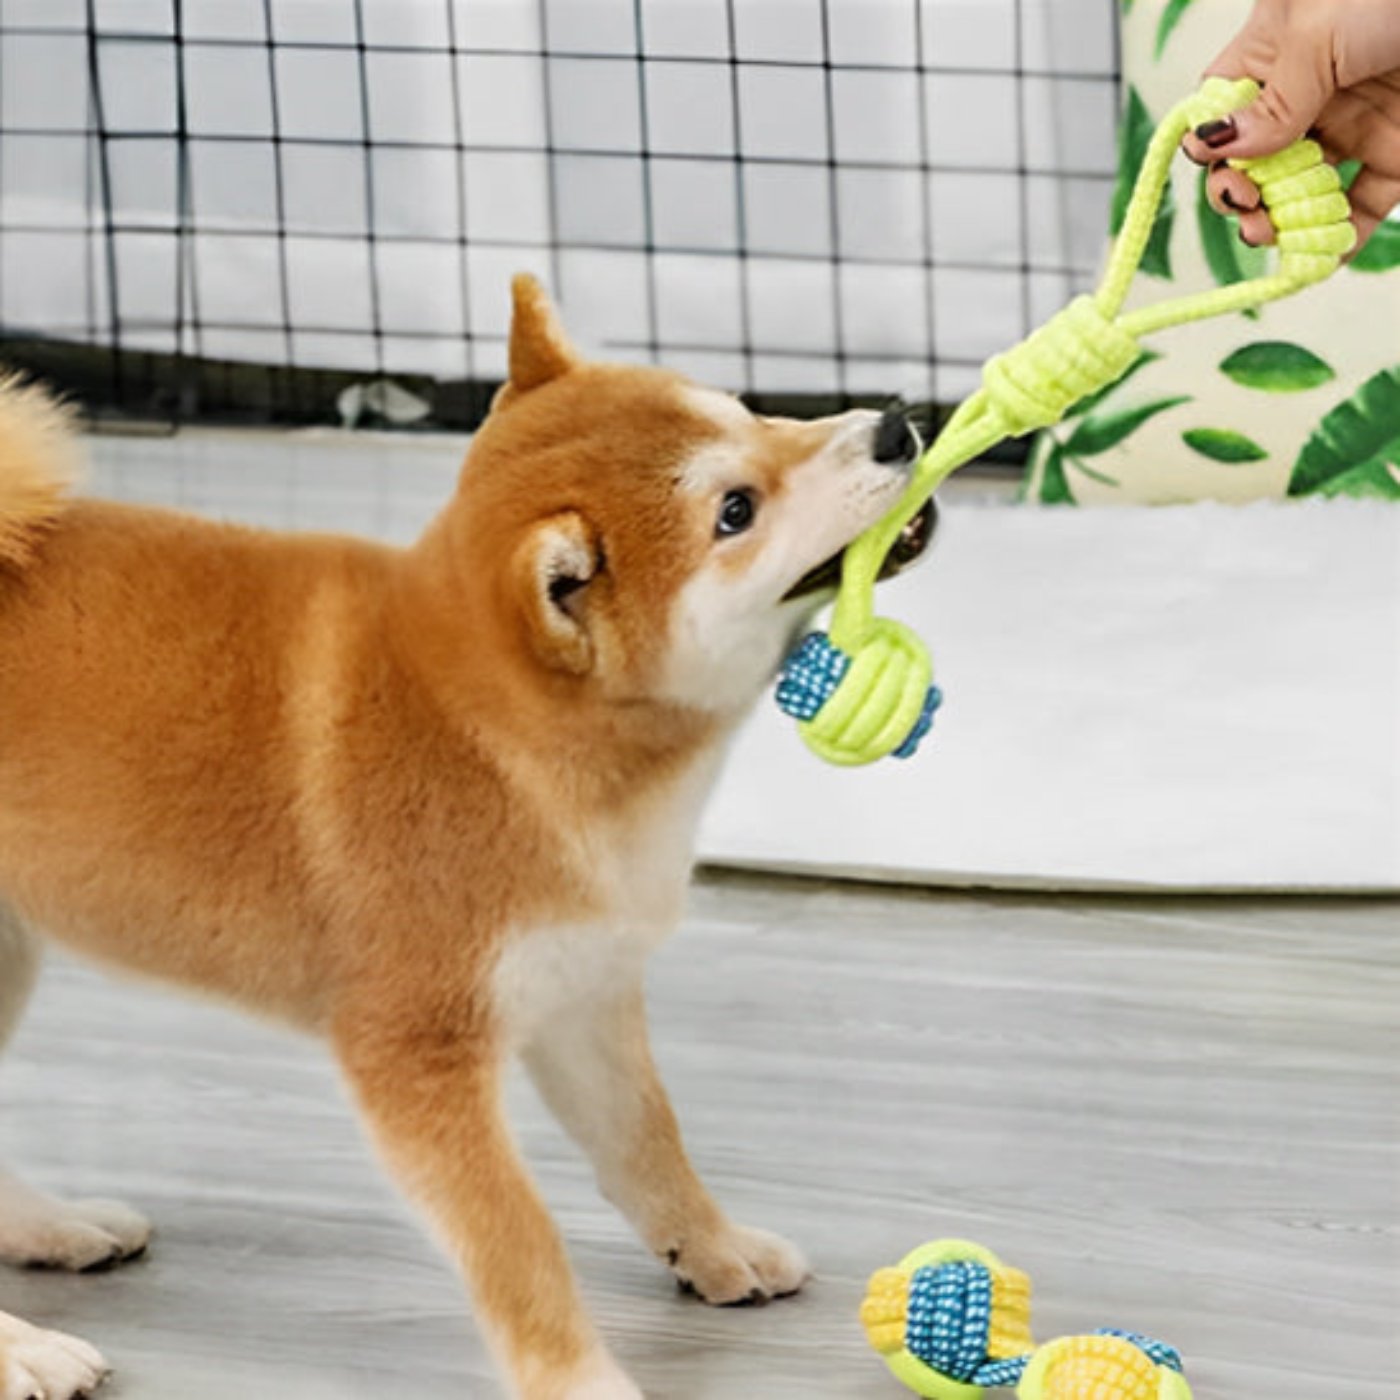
{"points": [[1217, 134]]}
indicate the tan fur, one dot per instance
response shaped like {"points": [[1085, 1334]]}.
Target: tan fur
{"points": [[38, 465], [435, 804]]}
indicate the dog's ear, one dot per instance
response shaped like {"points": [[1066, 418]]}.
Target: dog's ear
{"points": [[556, 579], [539, 349]]}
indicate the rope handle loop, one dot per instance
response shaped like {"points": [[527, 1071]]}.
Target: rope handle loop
{"points": [[864, 691]]}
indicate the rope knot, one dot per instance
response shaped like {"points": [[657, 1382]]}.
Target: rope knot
{"points": [[1075, 353], [950, 1324], [952, 1321], [856, 707]]}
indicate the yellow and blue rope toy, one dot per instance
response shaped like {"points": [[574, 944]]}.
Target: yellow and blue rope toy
{"points": [[952, 1321], [864, 690]]}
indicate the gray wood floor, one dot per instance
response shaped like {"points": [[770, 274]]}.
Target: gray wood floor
{"points": [[1181, 1117]]}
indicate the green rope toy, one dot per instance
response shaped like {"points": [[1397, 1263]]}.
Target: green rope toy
{"points": [[864, 690]]}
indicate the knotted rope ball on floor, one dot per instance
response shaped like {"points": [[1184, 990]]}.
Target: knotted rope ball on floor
{"points": [[952, 1321]]}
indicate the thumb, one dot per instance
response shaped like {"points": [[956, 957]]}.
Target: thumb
{"points": [[1298, 87]]}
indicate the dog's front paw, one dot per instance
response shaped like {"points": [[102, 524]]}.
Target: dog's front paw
{"points": [[80, 1235], [737, 1265], [38, 1365]]}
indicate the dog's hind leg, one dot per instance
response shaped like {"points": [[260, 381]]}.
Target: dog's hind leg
{"points": [[33, 1362], [593, 1067], [36, 1229]]}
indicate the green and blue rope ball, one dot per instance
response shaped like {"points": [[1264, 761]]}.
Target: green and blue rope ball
{"points": [[813, 674]]}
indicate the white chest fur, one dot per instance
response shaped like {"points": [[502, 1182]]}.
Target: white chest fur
{"points": [[638, 869]]}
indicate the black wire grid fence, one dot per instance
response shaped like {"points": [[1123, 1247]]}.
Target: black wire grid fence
{"points": [[234, 209]]}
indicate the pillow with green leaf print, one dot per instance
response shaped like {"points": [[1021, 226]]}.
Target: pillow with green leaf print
{"points": [[1299, 398]]}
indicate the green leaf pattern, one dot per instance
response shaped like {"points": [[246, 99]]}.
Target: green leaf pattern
{"points": [[1171, 17], [1382, 250], [1101, 431], [1354, 448], [1054, 488], [1276, 367], [1223, 445], [1378, 477]]}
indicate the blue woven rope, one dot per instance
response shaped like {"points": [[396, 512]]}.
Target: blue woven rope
{"points": [[950, 1317], [810, 675], [1004, 1374], [922, 725], [1159, 1352]]}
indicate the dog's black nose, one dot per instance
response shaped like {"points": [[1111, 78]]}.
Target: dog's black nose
{"points": [[895, 442]]}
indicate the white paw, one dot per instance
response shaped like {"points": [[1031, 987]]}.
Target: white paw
{"points": [[130, 1229], [74, 1235], [739, 1265], [38, 1365]]}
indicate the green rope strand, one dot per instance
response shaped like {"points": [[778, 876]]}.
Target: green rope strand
{"points": [[1081, 350]]}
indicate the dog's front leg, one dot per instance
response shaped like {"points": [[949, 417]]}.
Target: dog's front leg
{"points": [[594, 1068], [428, 1083]]}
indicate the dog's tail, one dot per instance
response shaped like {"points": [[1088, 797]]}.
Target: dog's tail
{"points": [[38, 463]]}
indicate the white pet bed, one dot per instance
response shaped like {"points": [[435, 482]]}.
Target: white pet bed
{"points": [[1197, 697]]}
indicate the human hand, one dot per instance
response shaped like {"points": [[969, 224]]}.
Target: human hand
{"points": [[1330, 68]]}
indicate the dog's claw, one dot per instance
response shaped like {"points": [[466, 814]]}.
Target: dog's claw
{"points": [[757, 1297]]}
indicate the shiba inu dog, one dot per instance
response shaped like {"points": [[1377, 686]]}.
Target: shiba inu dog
{"points": [[435, 805]]}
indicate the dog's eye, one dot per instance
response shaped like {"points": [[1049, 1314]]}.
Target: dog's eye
{"points": [[736, 513]]}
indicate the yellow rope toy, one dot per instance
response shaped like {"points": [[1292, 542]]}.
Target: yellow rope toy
{"points": [[864, 690]]}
